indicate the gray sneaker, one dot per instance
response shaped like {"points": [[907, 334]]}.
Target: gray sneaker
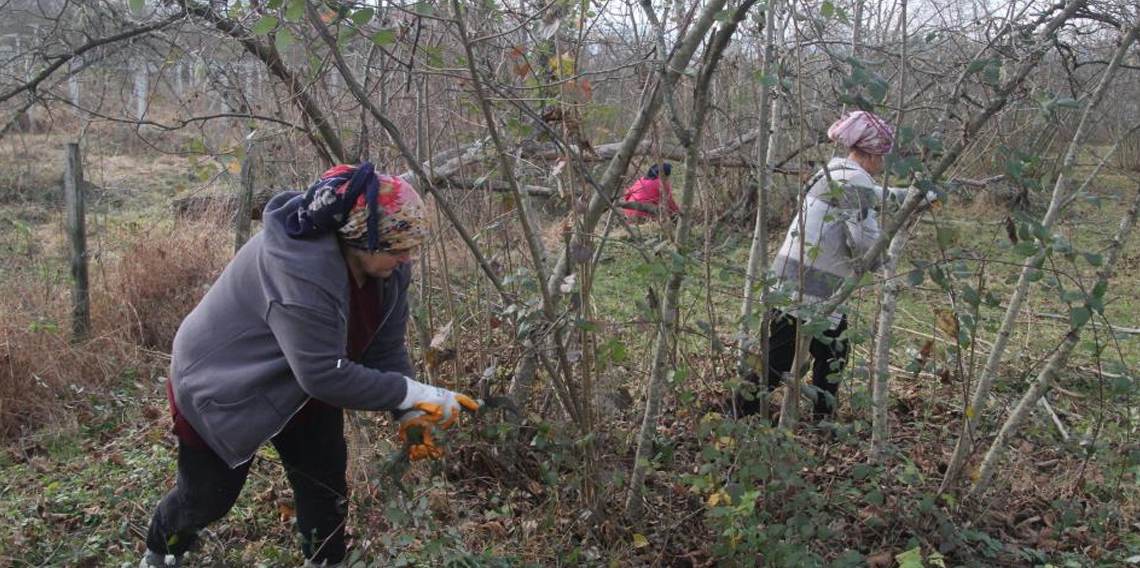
{"points": [[156, 560]]}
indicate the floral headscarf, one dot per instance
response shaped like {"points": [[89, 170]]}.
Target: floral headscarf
{"points": [[369, 211]]}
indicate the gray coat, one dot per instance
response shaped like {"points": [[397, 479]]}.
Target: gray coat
{"points": [[271, 333]]}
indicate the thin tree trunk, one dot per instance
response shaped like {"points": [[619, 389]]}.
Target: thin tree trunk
{"points": [[1045, 378], [615, 171], [980, 398], [667, 328], [758, 253], [244, 217], [575, 403], [789, 409], [880, 385]]}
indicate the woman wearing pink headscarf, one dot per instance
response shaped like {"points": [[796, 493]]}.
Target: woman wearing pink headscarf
{"points": [[835, 226]]}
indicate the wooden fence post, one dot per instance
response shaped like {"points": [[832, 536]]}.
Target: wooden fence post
{"points": [[244, 216], [77, 235]]}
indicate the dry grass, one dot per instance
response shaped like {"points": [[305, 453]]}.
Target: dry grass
{"points": [[1128, 155], [135, 312], [159, 280]]}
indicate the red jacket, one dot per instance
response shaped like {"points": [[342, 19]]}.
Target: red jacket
{"points": [[648, 191]]}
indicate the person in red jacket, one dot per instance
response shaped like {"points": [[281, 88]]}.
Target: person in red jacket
{"points": [[647, 191]]}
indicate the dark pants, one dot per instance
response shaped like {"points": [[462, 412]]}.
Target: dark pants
{"points": [[313, 451], [829, 355]]}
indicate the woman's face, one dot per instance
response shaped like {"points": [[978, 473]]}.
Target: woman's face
{"points": [[379, 264]]}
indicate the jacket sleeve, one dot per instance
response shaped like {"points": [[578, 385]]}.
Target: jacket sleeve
{"points": [[861, 224], [389, 351], [313, 342]]}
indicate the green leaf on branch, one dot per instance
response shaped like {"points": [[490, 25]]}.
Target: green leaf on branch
{"points": [[284, 39], [345, 33], [361, 17], [1025, 248], [931, 143], [294, 10], [265, 25], [948, 236], [915, 277], [384, 37], [991, 74], [827, 9], [1072, 296], [939, 277], [1079, 316], [971, 296], [1099, 289]]}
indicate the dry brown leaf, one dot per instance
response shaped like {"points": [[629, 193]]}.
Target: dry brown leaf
{"points": [[286, 513], [946, 322], [439, 352], [884, 559]]}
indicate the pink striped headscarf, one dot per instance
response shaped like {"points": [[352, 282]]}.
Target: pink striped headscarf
{"points": [[865, 131]]}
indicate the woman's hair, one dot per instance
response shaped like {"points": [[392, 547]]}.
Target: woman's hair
{"points": [[654, 172]]}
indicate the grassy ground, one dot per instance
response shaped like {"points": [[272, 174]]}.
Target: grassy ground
{"points": [[80, 488]]}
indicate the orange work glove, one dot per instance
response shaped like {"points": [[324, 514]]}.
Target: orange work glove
{"points": [[428, 408]]}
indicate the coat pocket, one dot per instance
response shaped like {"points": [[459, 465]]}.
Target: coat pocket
{"points": [[241, 426]]}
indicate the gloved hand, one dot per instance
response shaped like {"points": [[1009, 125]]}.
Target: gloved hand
{"points": [[931, 201], [425, 409], [934, 204]]}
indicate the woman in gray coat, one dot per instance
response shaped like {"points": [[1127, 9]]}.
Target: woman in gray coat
{"points": [[308, 319]]}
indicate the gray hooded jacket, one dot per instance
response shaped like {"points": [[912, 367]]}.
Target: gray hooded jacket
{"points": [[271, 333]]}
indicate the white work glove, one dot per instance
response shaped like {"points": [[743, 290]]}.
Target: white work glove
{"points": [[429, 408], [932, 202]]}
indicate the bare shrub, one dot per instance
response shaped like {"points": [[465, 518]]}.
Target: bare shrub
{"points": [[45, 378], [160, 279], [1128, 154]]}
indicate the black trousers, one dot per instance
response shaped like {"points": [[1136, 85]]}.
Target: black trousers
{"points": [[829, 356], [315, 456]]}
